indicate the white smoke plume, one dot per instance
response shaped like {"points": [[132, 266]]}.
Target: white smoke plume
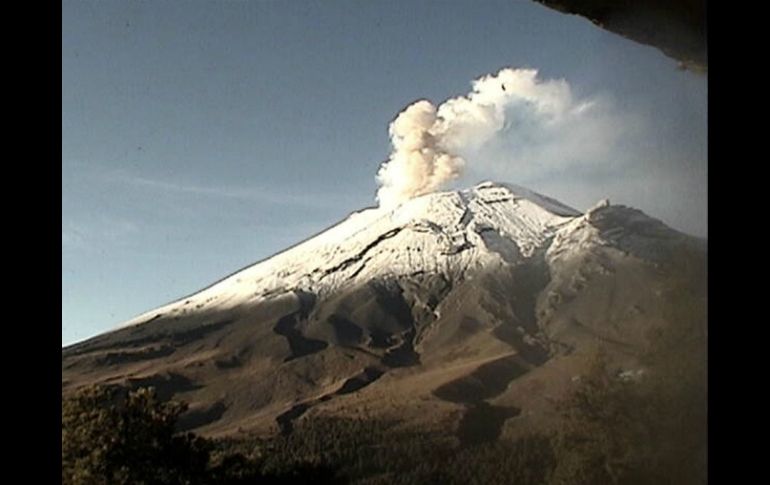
{"points": [[432, 145], [419, 164]]}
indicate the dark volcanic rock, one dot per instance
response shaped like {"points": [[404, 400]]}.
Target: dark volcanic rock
{"points": [[480, 341], [676, 27]]}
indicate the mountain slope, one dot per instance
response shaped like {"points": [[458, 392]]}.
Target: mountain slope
{"points": [[469, 310]]}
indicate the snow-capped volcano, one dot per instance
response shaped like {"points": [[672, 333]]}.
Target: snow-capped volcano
{"points": [[448, 233], [427, 312]]}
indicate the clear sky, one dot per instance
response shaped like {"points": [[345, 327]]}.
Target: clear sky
{"points": [[199, 137]]}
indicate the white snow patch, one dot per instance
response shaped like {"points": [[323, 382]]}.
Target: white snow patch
{"points": [[434, 233]]}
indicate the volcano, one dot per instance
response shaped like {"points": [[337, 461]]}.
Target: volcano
{"points": [[469, 310]]}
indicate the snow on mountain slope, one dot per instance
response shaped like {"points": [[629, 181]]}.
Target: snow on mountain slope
{"points": [[487, 298], [449, 233]]}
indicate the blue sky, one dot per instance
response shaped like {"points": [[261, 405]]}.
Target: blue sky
{"points": [[199, 137]]}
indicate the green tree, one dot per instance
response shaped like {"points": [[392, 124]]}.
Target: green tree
{"points": [[111, 435]]}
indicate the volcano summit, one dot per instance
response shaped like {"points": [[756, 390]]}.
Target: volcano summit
{"points": [[470, 311]]}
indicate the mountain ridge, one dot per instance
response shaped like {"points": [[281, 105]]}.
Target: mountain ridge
{"points": [[361, 216], [454, 302]]}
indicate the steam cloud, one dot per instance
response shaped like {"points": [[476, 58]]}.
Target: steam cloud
{"points": [[539, 120]]}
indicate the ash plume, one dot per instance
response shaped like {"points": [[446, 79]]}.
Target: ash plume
{"points": [[432, 146]]}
